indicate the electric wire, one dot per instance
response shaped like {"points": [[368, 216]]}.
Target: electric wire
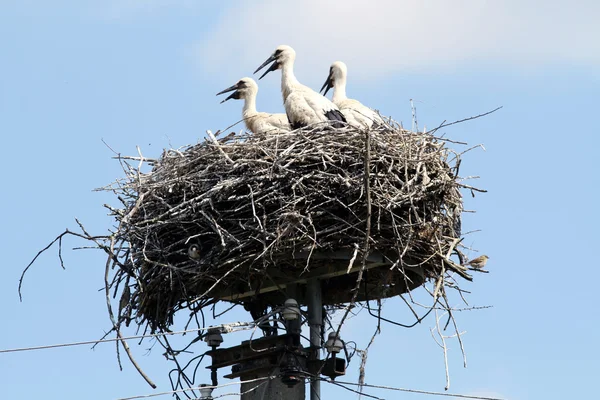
{"points": [[144, 396], [462, 396], [233, 327]]}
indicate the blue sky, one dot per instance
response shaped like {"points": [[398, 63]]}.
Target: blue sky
{"points": [[145, 73]]}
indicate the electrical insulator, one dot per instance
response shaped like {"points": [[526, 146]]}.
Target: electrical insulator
{"points": [[291, 311], [333, 344], [205, 392], [213, 338]]}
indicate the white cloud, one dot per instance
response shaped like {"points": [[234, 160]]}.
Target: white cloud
{"points": [[384, 36]]}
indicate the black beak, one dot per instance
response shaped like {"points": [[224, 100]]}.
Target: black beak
{"points": [[234, 95], [327, 85], [273, 66]]}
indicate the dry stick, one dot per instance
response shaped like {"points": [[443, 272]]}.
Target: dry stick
{"points": [[415, 123], [229, 127], [444, 347], [465, 119], [363, 361], [439, 284], [471, 188], [133, 158], [213, 139], [458, 334], [354, 254], [139, 168], [57, 239], [112, 319], [134, 209], [440, 281], [198, 298]]}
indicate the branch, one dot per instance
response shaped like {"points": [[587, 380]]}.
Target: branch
{"points": [[463, 120], [112, 317]]}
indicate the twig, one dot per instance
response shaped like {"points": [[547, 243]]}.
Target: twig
{"points": [[464, 120], [57, 239], [444, 348], [213, 139], [354, 254], [114, 322]]}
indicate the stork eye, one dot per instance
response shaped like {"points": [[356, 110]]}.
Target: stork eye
{"points": [[278, 52], [242, 84]]}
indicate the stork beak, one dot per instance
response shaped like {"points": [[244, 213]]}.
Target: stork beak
{"points": [[273, 66], [229, 89], [327, 85], [234, 95]]}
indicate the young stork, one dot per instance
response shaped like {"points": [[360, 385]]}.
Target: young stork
{"points": [[357, 114], [303, 105], [256, 122]]}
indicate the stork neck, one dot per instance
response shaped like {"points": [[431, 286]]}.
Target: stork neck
{"points": [[249, 106], [339, 91], [288, 79]]}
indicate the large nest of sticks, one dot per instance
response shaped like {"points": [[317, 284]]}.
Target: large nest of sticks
{"points": [[227, 215]]}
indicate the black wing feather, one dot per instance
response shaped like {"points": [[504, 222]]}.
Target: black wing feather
{"points": [[295, 124], [336, 115]]}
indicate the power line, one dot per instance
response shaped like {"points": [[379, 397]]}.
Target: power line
{"points": [[337, 383], [360, 393], [463, 396], [228, 328], [197, 388]]}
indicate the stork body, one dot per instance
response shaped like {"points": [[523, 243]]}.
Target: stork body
{"points": [[303, 105], [256, 122], [357, 114]]}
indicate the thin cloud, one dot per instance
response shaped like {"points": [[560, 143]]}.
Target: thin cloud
{"points": [[385, 36], [125, 8]]}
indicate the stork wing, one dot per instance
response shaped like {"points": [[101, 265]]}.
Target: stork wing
{"points": [[300, 110], [324, 108], [280, 121], [335, 115], [356, 111]]}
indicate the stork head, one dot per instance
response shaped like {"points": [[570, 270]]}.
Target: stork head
{"points": [[337, 73], [242, 89], [282, 55]]}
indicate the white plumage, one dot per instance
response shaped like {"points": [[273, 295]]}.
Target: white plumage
{"points": [[303, 105], [256, 122], [357, 114]]}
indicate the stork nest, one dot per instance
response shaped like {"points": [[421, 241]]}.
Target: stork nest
{"points": [[250, 203]]}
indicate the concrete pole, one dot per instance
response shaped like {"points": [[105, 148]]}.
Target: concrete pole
{"points": [[272, 389], [314, 301]]}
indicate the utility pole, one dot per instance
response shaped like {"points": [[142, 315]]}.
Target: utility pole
{"points": [[280, 359], [272, 389], [274, 367], [271, 358], [314, 301]]}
